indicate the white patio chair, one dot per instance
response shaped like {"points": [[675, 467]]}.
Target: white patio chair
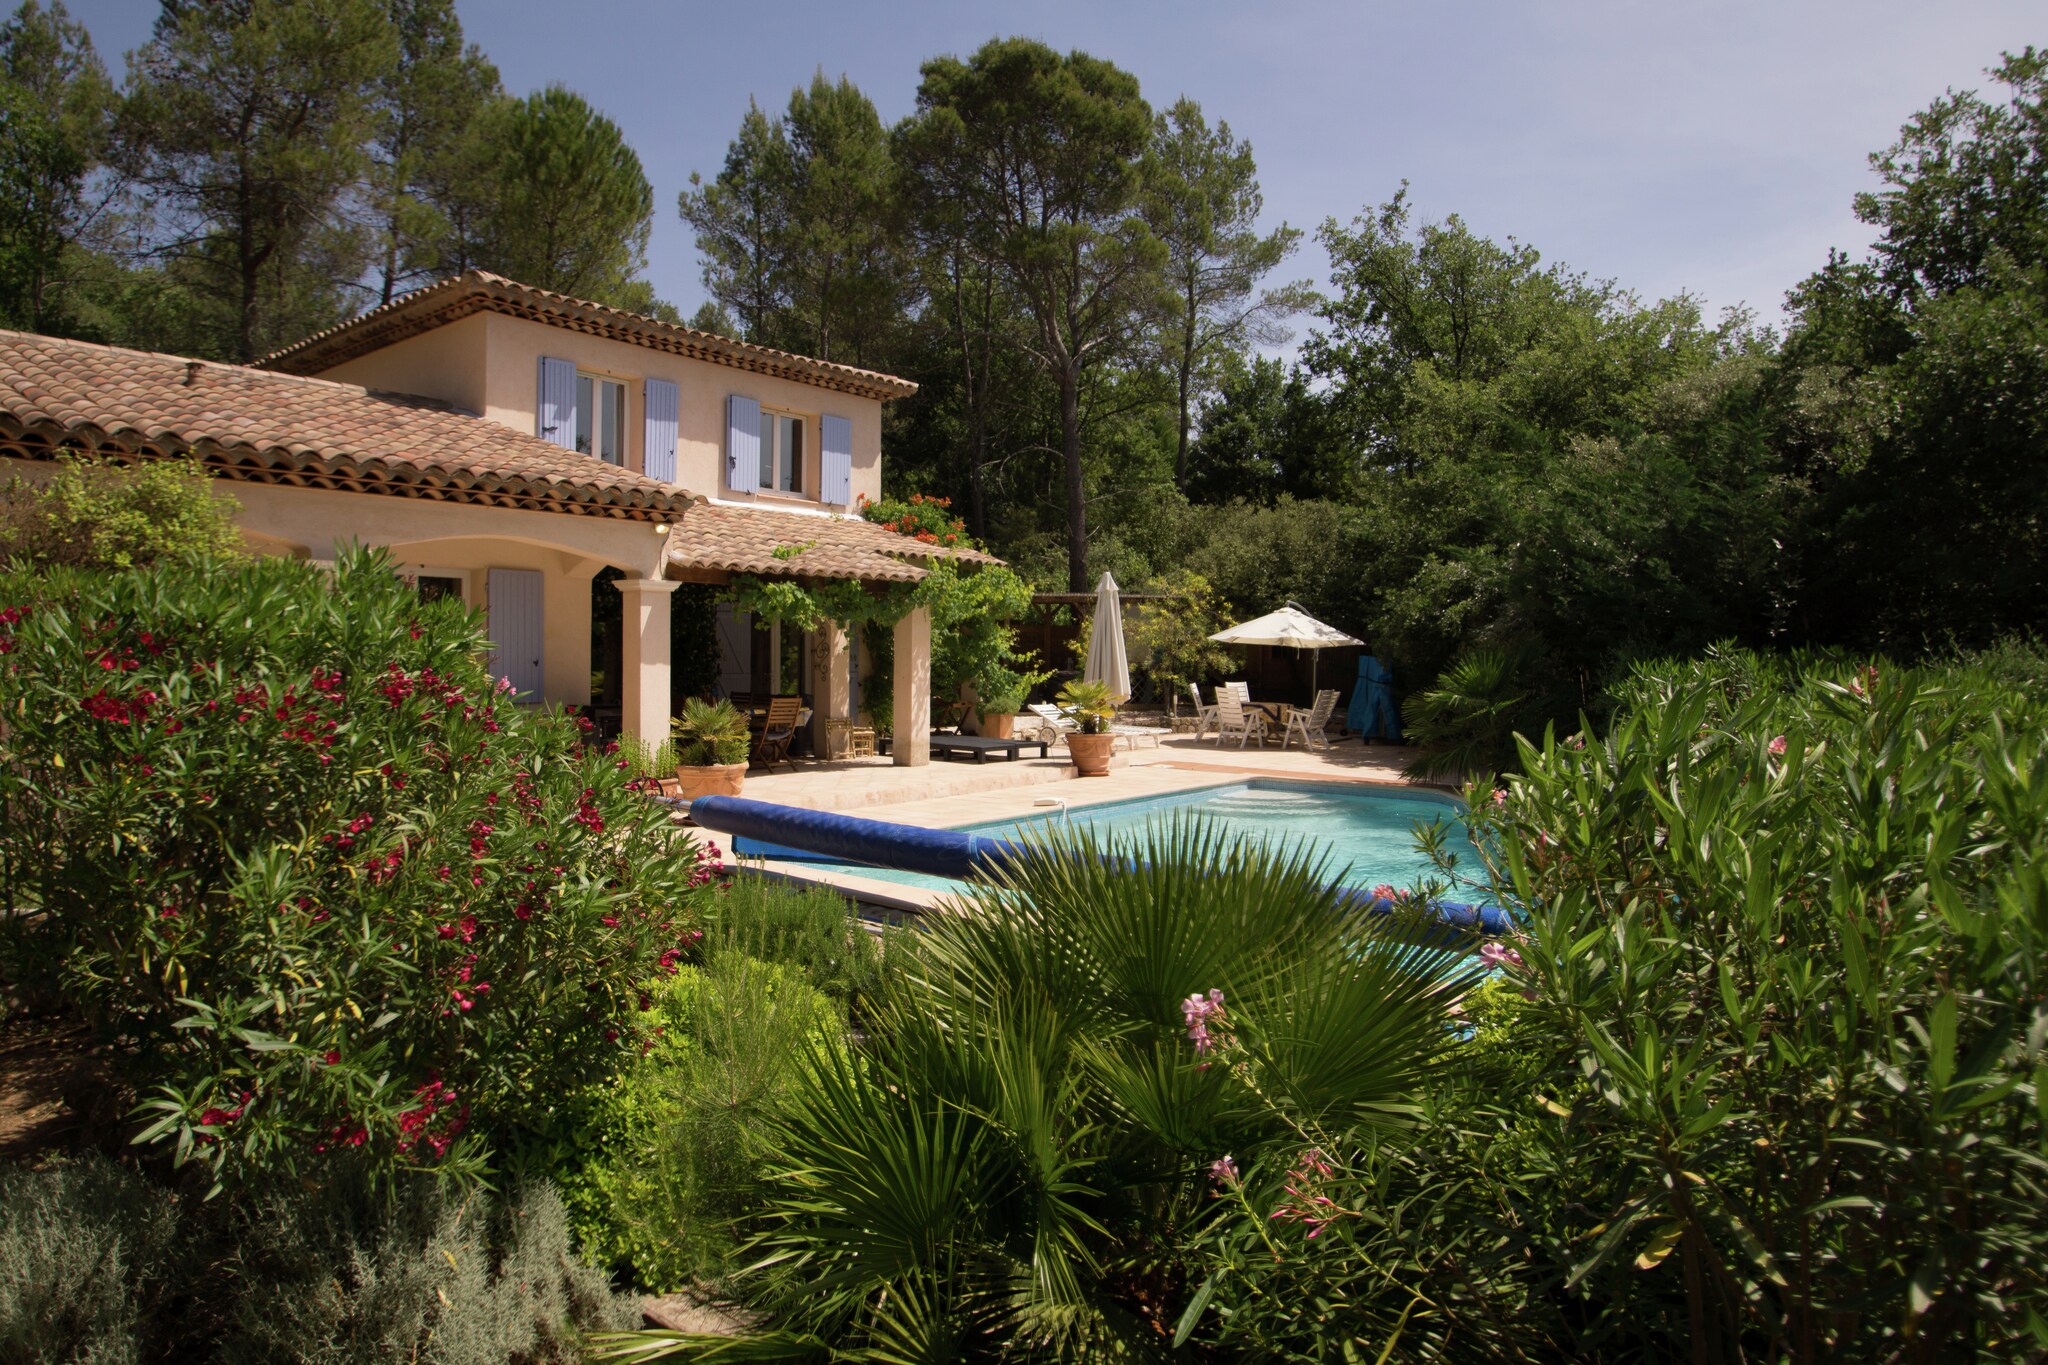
{"points": [[1233, 717], [1205, 713], [1310, 724], [1132, 734]]}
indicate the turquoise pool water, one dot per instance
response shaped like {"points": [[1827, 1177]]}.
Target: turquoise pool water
{"points": [[1367, 833]]}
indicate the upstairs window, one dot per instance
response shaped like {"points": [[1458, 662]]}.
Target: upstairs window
{"points": [[782, 452], [601, 418]]}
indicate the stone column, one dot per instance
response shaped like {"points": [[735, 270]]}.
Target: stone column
{"points": [[833, 690], [645, 694], [912, 746]]}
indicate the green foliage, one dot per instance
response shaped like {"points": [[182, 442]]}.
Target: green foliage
{"points": [[1266, 433], [103, 1267], [681, 1131], [95, 514], [806, 928], [430, 146], [709, 732], [249, 122], [799, 230], [83, 1250], [972, 606], [1789, 924], [1007, 1162], [1092, 703], [929, 521], [56, 109], [569, 206], [280, 834], [1202, 201], [1169, 640], [1760, 1080], [1042, 156], [1467, 720]]}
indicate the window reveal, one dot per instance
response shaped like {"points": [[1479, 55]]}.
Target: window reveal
{"points": [[782, 452], [601, 418]]}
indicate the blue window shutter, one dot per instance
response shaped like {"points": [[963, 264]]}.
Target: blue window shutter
{"points": [[664, 408], [835, 461], [555, 413], [742, 444]]}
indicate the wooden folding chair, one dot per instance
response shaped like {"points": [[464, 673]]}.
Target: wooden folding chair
{"points": [[778, 732]]}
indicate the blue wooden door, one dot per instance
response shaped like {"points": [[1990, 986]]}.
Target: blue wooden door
{"points": [[516, 630]]}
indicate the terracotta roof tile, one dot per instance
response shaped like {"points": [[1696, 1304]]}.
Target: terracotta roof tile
{"points": [[723, 538], [478, 291], [267, 427]]}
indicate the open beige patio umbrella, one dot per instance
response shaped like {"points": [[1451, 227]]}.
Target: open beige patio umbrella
{"points": [[1107, 660], [1290, 626]]}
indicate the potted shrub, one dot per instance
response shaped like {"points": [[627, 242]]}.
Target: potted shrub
{"points": [[1093, 706], [711, 748], [999, 696]]}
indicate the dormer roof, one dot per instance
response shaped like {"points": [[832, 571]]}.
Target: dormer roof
{"points": [[479, 291]]}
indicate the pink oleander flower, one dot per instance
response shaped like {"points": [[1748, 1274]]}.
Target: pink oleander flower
{"points": [[1500, 796], [1384, 892], [1777, 745], [1499, 955], [1223, 1170], [1200, 1011]]}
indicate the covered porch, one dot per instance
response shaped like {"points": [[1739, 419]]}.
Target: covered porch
{"points": [[533, 573]]}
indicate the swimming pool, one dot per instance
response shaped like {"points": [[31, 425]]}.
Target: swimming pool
{"points": [[1368, 833]]}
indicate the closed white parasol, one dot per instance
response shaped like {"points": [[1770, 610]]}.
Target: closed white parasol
{"points": [[1290, 626], [1107, 660]]}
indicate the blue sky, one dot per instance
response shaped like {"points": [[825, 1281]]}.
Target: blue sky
{"points": [[1705, 146]]}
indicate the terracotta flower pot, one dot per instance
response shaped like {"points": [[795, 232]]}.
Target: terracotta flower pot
{"points": [[712, 779], [1090, 753], [998, 725]]}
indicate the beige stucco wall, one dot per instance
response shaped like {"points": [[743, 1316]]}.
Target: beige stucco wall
{"points": [[467, 541], [446, 363], [490, 364]]}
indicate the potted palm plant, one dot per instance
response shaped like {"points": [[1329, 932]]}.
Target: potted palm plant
{"points": [[1093, 707], [711, 748]]}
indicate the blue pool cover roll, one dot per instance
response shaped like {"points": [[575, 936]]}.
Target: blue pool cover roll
{"points": [[937, 852]]}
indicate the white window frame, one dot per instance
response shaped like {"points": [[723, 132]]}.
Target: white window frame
{"points": [[781, 474], [593, 412]]}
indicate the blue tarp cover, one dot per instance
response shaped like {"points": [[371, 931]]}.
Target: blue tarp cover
{"points": [[1372, 712]]}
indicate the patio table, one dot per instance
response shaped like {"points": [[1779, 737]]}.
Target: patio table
{"points": [[1276, 714]]}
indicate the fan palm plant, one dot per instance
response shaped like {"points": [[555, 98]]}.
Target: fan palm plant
{"points": [[1465, 722], [1012, 1159]]}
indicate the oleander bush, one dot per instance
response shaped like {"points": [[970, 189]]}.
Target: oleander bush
{"points": [[101, 1266], [1777, 1088], [279, 836]]}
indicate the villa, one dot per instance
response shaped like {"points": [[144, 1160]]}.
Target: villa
{"points": [[507, 445]]}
